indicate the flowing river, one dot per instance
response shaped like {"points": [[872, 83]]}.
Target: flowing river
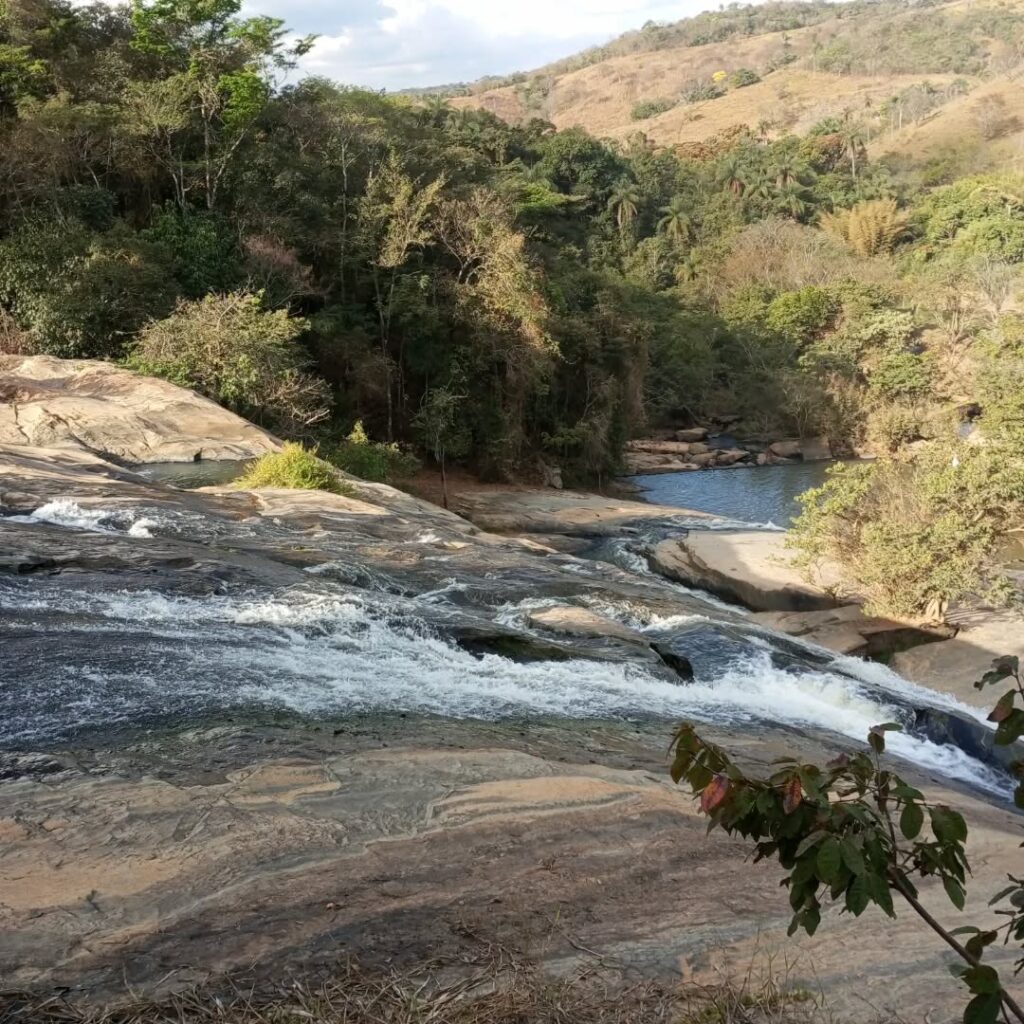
{"points": [[262, 621]]}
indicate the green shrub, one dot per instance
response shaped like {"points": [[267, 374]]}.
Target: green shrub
{"points": [[743, 77], [293, 467], [79, 294], [890, 427], [700, 90], [372, 460], [650, 108], [901, 374], [803, 315], [912, 537], [232, 350]]}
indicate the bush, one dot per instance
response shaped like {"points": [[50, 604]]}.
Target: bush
{"points": [[372, 460], [915, 536], [81, 295], [232, 350], [293, 467], [890, 427], [901, 374], [743, 77], [700, 90], [650, 108], [803, 315]]}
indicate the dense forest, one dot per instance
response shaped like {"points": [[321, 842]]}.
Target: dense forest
{"points": [[381, 274]]}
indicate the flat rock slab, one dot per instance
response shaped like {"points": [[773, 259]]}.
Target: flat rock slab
{"points": [[751, 567], [96, 406], [848, 630], [410, 852], [582, 622], [524, 510], [953, 666]]}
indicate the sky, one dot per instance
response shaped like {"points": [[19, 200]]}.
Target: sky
{"points": [[398, 44]]}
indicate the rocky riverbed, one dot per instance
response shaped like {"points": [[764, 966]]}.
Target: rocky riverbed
{"points": [[279, 727]]}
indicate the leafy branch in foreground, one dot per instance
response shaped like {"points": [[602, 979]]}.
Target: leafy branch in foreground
{"points": [[855, 833]]}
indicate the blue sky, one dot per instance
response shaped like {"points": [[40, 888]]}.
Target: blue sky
{"points": [[395, 44]]}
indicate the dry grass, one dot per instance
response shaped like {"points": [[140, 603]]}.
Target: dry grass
{"points": [[497, 988]]}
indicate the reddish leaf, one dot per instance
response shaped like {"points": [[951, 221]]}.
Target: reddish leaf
{"points": [[714, 793], [792, 794]]}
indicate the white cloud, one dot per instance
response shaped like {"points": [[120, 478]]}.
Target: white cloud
{"points": [[395, 44]]}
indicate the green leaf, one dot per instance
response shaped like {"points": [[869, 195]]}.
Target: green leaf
{"points": [[983, 1009], [857, 898], [809, 841], [955, 892], [1010, 728], [811, 920], [912, 820], [852, 857], [948, 825], [878, 889], [982, 979], [829, 859], [1003, 708]]}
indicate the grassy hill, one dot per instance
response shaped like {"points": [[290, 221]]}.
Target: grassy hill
{"points": [[922, 75]]}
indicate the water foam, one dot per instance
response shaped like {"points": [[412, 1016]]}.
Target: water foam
{"points": [[328, 654], [67, 513]]}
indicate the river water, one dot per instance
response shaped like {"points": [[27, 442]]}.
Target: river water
{"points": [[762, 495], [242, 630]]}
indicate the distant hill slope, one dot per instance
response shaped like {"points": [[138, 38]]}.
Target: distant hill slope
{"points": [[855, 57]]}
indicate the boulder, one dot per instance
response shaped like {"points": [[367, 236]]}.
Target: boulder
{"points": [[699, 448], [703, 459], [752, 568], [659, 447], [848, 630], [581, 622], [815, 449], [66, 403], [730, 456], [640, 463], [692, 434], [785, 449]]}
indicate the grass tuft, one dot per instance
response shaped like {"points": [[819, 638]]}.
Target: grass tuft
{"points": [[293, 466]]}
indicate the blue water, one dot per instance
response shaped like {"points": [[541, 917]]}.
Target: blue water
{"points": [[759, 494]]}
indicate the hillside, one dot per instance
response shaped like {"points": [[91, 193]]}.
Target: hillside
{"points": [[879, 60]]}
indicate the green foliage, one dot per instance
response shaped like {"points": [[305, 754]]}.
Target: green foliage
{"points": [[742, 77], [294, 467], [802, 315], [232, 350], [901, 374], [650, 108], [914, 536], [203, 252], [855, 834], [372, 460], [82, 294]]}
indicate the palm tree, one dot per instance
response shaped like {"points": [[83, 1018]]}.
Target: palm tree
{"points": [[788, 168], [851, 133], [438, 109], [765, 127], [624, 203], [760, 186], [731, 175], [789, 199], [676, 222]]}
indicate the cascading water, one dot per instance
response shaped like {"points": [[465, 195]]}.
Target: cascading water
{"points": [[81, 658]]}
